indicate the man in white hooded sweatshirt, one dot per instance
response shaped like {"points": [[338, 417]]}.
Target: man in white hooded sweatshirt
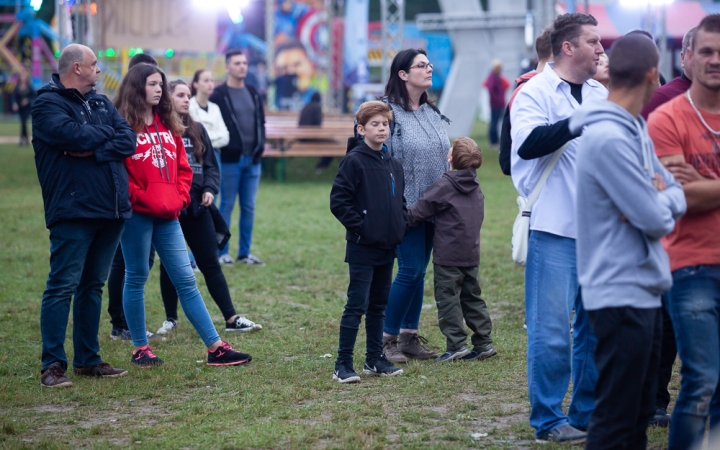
{"points": [[626, 202]]}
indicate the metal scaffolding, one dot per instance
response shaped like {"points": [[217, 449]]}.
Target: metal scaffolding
{"points": [[393, 31]]}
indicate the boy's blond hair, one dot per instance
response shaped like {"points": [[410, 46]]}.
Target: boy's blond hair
{"points": [[372, 108], [465, 153]]}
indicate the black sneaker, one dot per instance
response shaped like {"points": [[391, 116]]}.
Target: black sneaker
{"points": [[564, 433], [381, 367], [660, 419], [243, 325], [119, 333], [453, 355], [144, 358], [225, 355], [344, 373], [480, 352]]}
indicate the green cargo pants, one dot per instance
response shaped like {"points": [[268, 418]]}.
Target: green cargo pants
{"points": [[457, 295]]}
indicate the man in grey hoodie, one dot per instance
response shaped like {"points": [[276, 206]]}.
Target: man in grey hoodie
{"points": [[626, 202]]}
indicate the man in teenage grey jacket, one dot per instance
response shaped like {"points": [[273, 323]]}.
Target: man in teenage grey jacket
{"points": [[626, 202]]}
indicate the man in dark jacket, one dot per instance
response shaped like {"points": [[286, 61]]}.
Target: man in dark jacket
{"points": [[242, 111], [80, 141], [367, 197]]}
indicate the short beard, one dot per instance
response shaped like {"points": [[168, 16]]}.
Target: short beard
{"points": [[714, 88]]}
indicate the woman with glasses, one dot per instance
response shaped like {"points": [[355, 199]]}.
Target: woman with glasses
{"points": [[419, 140]]}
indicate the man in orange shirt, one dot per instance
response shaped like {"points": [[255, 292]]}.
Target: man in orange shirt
{"points": [[686, 131]]}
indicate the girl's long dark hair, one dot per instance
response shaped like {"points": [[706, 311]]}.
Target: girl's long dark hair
{"points": [[130, 100], [192, 128], [196, 78], [396, 89]]}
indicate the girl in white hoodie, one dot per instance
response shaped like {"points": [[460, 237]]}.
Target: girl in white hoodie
{"points": [[205, 112]]}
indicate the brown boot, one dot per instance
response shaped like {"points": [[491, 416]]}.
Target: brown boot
{"points": [[411, 346], [390, 350]]}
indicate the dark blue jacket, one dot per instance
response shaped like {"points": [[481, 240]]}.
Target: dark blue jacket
{"points": [[94, 187]]}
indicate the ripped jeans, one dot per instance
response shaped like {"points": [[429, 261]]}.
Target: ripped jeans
{"points": [[694, 306]]}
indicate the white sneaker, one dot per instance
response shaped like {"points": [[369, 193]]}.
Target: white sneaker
{"points": [[226, 259], [251, 260], [167, 326], [243, 325]]}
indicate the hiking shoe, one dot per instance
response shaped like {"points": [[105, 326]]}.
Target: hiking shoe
{"points": [[226, 259], [102, 370], [194, 266], [54, 376], [564, 433], [411, 346], [119, 333], [250, 260], [227, 356], [381, 367], [452, 355], [242, 325], [344, 373], [168, 326], [144, 358], [660, 419], [390, 350], [153, 336], [480, 352]]}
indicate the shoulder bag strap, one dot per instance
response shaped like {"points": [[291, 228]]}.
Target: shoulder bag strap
{"points": [[544, 176]]}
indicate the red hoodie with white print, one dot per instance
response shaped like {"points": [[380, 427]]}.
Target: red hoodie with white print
{"points": [[159, 176]]}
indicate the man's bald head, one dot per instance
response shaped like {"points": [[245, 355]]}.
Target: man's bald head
{"points": [[78, 68]]}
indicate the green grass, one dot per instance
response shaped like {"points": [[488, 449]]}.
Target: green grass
{"points": [[285, 398]]}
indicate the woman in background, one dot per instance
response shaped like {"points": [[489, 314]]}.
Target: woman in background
{"points": [[22, 100]]}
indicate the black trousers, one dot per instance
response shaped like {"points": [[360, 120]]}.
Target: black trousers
{"points": [[115, 286], [200, 235], [627, 356], [668, 352], [24, 115], [367, 295]]}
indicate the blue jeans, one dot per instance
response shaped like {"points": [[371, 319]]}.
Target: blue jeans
{"points": [[166, 236], [81, 251], [406, 293], [552, 293], [694, 306], [241, 179]]}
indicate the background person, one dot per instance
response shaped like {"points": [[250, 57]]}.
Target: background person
{"points": [[668, 351], [85, 194], [242, 111], [626, 202], [207, 113], [22, 100], [160, 180], [196, 221], [497, 85], [419, 140], [602, 75]]}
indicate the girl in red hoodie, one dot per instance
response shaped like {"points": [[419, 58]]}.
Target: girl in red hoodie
{"points": [[159, 179]]}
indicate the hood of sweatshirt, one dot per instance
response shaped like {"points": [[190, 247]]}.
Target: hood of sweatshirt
{"points": [[464, 180], [607, 111]]}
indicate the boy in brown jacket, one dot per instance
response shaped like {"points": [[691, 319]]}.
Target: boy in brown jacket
{"points": [[457, 204]]}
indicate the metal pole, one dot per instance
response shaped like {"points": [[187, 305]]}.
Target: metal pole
{"points": [[270, 52], [664, 59]]}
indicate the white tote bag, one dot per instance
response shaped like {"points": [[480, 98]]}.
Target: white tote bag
{"points": [[521, 227]]}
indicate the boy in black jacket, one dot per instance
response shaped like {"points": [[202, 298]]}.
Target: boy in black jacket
{"points": [[367, 198]]}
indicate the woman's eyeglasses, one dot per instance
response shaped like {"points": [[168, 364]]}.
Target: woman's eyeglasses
{"points": [[422, 66]]}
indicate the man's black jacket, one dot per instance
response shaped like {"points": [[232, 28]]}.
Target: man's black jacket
{"points": [[94, 187], [234, 150], [367, 197]]}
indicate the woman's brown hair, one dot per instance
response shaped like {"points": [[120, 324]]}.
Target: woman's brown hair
{"points": [[130, 100], [465, 153], [196, 78], [192, 128]]}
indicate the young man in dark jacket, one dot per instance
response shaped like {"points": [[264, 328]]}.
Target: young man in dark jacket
{"points": [[367, 198], [80, 141], [458, 206], [242, 111]]}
